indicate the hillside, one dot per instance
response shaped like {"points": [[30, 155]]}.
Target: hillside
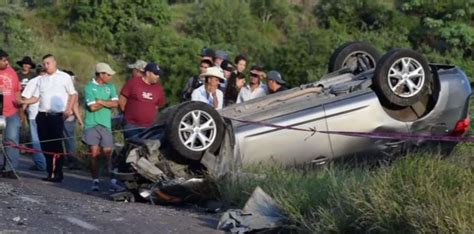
{"points": [[294, 37]]}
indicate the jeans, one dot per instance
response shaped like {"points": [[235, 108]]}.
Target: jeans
{"points": [[38, 158], [130, 130], [12, 134], [69, 133]]}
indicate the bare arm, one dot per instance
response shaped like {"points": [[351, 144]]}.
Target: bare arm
{"points": [[108, 103], [99, 104], [70, 105], [78, 114], [95, 107], [28, 101], [122, 102]]}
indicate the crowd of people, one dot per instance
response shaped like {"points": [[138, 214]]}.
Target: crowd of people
{"points": [[221, 83], [46, 99]]}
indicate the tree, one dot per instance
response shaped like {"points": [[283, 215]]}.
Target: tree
{"points": [[444, 25], [16, 39], [105, 22]]}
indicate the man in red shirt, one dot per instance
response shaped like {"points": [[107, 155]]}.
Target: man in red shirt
{"points": [[10, 88], [140, 100]]}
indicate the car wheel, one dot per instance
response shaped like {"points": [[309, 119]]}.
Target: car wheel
{"points": [[358, 56], [194, 128], [402, 77]]}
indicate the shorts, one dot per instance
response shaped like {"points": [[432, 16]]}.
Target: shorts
{"points": [[98, 135]]}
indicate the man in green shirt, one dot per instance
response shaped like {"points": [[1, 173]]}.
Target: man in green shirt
{"points": [[101, 97]]}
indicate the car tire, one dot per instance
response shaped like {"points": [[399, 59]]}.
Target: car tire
{"points": [[401, 78], [358, 56], [186, 136]]}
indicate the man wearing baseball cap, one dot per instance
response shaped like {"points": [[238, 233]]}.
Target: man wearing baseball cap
{"points": [[275, 82], [140, 100], [227, 67], [209, 92], [207, 54], [100, 98], [138, 68]]}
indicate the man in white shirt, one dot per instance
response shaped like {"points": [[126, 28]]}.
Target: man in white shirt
{"points": [[32, 110], [56, 95], [256, 88], [209, 92]]}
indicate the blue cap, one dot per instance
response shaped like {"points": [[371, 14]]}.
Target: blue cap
{"points": [[276, 76], [153, 67], [222, 55]]}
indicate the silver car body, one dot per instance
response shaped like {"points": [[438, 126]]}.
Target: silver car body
{"points": [[347, 103]]}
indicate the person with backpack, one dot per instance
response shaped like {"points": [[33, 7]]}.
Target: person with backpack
{"points": [[195, 81]]}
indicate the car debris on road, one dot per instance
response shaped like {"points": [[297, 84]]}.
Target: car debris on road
{"points": [[260, 212]]}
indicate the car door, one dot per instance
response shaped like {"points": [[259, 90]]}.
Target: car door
{"points": [[359, 112], [273, 145]]}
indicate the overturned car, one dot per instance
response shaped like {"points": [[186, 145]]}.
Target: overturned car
{"points": [[399, 92]]}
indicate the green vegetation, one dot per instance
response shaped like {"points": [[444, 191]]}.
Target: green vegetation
{"points": [[295, 37], [418, 193]]}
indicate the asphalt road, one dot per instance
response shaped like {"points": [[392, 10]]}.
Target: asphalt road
{"points": [[33, 206]]}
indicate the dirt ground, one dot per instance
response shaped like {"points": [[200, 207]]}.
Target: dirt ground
{"points": [[33, 206]]}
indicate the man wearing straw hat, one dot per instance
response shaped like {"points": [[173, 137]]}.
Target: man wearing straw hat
{"points": [[209, 92]]}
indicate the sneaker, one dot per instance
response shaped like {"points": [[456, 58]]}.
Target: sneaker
{"points": [[114, 187], [95, 186]]}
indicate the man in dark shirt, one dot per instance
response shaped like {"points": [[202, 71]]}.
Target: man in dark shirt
{"points": [[275, 82], [195, 81], [140, 100]]}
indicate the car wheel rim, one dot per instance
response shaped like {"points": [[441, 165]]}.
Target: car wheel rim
{"points": [[406, 77], [359, 61], [197, 130]]}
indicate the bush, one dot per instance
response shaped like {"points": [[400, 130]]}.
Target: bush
{"points": [[178, 56], [229, 25], [359, 14], [16, 39], [103, 23], [444, 25]]}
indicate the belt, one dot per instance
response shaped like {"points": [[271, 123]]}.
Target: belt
{"points": [[50, 113]]}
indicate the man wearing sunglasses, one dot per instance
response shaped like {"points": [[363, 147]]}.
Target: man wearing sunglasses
{"points": [[256, 88]]}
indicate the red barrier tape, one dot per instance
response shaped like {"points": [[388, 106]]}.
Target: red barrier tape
{"points": [[34, 151], [373, 135], [55, 155]]}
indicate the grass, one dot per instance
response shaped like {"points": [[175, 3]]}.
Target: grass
{"points": [[69, 52], [418, 193]]}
